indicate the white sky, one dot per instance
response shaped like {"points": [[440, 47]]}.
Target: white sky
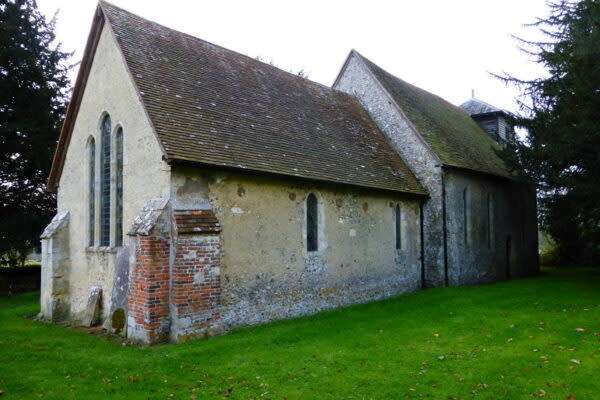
{"points": [[445, 47]]}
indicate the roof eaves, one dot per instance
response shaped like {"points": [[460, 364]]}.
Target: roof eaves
{"points": [[418, 193], [479, 172]]}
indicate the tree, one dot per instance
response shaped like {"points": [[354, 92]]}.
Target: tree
{"points": [[33, 89], [561, 118]]}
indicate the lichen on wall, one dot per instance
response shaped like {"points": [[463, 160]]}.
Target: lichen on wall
{"points": [[498, 211], [267, 272], [356, 80], [109, 89], [447, 256]]}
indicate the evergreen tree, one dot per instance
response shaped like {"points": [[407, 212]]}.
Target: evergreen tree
{"points": [[33, 88], [561, 117]]}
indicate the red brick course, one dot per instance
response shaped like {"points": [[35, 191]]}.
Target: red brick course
{"points": [[149, 288], [195, 283]]}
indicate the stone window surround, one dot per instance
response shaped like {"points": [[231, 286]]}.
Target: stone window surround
{"points": [[116, 125], [321, 240]]}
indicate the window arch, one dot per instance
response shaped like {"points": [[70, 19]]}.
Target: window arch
{"points": [[312, 223], [119, 187], [398, 226], [105, 182], [91, 150]]}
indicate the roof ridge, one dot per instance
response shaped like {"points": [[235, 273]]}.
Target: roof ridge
{"points": [[475, 99], [454, 136], [410, 84], [253, 59], [203, 100]]}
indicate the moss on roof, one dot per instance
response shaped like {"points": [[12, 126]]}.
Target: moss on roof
{"points": [[450, 132], [214, 106]]}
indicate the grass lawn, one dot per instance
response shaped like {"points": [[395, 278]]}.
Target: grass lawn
{"points": [[28, 263], [523, 339]]}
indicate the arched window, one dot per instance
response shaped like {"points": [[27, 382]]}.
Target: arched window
{"points": [[105, 183], [312, 223], [398, 226], [119, 187], [91, 190]]}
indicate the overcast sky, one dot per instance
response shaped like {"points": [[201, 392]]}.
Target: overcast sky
{"points": [[445, 47]]}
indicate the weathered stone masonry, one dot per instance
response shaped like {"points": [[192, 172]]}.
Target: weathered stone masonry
{"points": [[357, 81], [243, 148]]}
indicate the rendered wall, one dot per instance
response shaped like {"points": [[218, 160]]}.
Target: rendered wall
{"points": [[265, 270], [479, 251], [357, 80], [109, 90], [515, 209]]}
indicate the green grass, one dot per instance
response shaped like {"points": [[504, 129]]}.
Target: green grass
{"points": [[28, 263], [511, 340]]}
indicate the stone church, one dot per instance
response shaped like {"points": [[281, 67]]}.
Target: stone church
{"points": [[200, 190]]}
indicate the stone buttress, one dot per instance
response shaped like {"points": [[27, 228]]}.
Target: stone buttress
{"points": [[54, 294]]}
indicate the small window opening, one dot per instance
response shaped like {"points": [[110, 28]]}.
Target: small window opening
{"points": [[398, 226], [465, 216], [312, 222], [489, 221]]}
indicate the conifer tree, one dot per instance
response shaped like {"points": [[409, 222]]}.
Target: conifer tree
{"points": [[33, 88], [561, 117]]}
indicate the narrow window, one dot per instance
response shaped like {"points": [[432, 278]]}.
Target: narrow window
{"points": [[312, 222], [91, 191], [119, 188], [489, 221], [398, 218], [105, 183], [465, 216]]}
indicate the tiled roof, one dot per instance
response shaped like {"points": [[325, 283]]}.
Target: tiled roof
{"points": [[213, 106], [475, 106], [450, 132]]}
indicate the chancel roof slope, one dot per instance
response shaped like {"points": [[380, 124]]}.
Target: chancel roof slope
{"points": [[448, 130], [213, 106]]}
